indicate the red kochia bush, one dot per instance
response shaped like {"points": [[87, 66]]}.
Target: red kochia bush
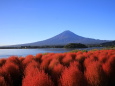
{"points": [[56, 73], [95, 75], [53, 63], [45, 63], [27, 60], [37, 78], [109, 68], [72, 76], [14, 59], [89, 60], [92, 68], [57, 69], [38, 57], [103, 56], [13, 71], [2, 81], [11, 68], [30, 67], [21, 58], [80, 57], [76, 64], [47, 56], [2, 62], [67, 59], [5, 78]]}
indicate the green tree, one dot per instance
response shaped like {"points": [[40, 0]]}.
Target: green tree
{"points": [[75, 45]]}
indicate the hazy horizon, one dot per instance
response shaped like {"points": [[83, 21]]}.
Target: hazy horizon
{"points": [[26, 21]]}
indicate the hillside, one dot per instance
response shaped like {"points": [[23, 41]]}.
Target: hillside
{"points": [[64, 38], [112, 43]]}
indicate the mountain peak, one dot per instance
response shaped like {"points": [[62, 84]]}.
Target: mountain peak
{"points": [[67, 31]]}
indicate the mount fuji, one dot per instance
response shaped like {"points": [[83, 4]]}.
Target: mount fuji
{"points": [[65, 38]]}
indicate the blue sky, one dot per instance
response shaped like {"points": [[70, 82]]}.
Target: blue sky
{"points": [[26, 21]]}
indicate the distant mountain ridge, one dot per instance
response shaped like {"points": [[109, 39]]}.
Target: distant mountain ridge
{"points": [[65, 38], [112, 43]]}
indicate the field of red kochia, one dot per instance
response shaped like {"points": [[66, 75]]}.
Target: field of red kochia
{"points": [[92, 68]]}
